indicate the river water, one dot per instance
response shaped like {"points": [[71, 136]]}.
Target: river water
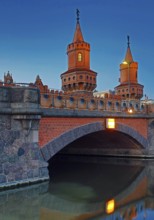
{"points": [[86, 188]]}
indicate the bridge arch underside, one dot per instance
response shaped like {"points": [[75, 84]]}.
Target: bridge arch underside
{"points": [[105, 142], [94, 139]]}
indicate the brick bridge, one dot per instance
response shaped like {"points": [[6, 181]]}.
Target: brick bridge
{"points": [[80, 124], [31, 134], [55, 133]]}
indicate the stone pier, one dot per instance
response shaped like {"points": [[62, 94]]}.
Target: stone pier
{"points": [[20, 159]]}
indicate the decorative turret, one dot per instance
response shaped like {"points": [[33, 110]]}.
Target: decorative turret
{"points": [[43, 88], [78, 79], [8, 78], [38, 81], [129, 87]]}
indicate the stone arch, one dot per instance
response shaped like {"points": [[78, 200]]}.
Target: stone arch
{"points": [[57, 144], [133, 133]]}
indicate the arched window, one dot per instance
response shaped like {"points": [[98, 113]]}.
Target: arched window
{"points": [[79, 57]]}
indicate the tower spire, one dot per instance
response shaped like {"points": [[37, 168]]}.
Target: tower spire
{"points": [[128, 42], [78, 37], [77, 15], [128, 57]]}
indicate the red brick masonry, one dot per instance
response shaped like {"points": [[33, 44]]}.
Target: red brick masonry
{"points": [[52, 127], [139, 125]]}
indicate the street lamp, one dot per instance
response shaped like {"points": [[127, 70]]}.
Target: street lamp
{"points": [[130, 110]]}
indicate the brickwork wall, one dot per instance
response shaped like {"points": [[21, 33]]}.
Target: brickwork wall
{"points": [[52, 127], [139, 125]]}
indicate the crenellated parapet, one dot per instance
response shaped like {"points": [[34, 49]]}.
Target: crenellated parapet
{"points": [[113, 103]]}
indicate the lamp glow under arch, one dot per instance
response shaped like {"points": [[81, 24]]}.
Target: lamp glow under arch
{"points": [[110, 123], [110, 206]]}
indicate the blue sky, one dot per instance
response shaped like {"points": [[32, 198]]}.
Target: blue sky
{"points": [[34, 35]]}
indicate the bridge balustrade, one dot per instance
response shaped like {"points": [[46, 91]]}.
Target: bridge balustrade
{"points": [[111, 103]]}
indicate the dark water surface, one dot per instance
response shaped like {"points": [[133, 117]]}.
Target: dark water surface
{"points": [[80, 189]]}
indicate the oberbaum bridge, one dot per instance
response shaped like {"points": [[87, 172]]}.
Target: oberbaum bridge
{"points": [[36, 123]]}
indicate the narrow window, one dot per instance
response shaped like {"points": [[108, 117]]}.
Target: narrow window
{"points": [[79, 57]]}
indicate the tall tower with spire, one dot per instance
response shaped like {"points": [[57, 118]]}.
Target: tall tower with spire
{"points": [[129, 88], [79, 78]]}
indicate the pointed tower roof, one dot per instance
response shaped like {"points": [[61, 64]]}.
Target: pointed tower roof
{"points": [[78, 37], [128, 57], [38, 78]]}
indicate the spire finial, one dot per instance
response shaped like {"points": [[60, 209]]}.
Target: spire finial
{"points": [[77, 14], [128, 42]]}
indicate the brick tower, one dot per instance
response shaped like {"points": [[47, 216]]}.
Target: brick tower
{"points": [[79, 78], [129, 87]]}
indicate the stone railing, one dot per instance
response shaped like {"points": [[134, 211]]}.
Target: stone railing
{"points": [[14, 84]]}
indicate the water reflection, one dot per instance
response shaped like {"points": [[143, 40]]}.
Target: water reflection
{"points": [[80, 189]]}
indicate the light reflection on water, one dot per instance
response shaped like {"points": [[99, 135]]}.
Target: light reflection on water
{"points": [[80, 188]]}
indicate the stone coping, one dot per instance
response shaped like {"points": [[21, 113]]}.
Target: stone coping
{"points": [[20, 183], [56, 112], [20, 111]]}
